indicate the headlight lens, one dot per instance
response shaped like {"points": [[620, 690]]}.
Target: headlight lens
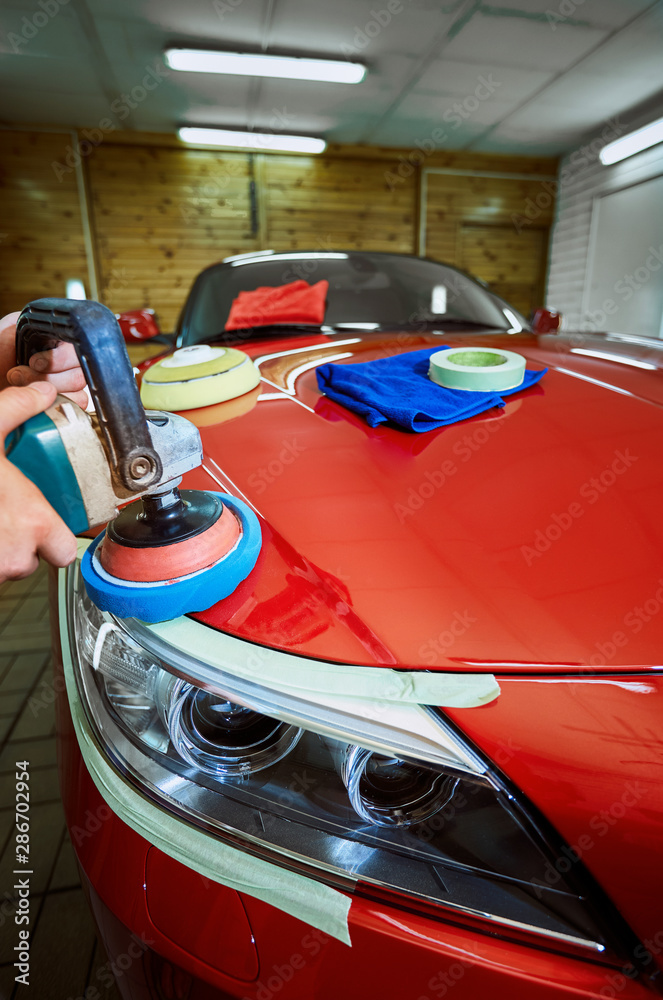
{"points": [[446, 835], [223, 738], [388, 791]]}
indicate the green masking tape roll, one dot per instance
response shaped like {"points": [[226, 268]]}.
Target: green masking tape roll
{"points": [[483, 369]]}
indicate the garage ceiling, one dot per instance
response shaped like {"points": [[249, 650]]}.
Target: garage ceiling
{"points": [[534, 76]]}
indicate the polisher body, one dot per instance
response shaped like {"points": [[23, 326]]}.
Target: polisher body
{"points": [[62, 451]]}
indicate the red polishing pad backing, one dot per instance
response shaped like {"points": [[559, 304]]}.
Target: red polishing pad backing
{"points": [[170, 562]]}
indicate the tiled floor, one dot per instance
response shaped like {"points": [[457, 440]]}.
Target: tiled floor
{"points": [[65, 953]]}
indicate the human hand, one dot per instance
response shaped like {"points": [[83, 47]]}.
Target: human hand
{"points": [[59, 366], [29, 527]]}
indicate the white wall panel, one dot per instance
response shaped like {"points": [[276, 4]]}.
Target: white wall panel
{"points": [[583, 182]]}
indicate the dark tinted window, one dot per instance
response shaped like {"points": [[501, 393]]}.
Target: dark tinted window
{"points": [[385, 289]]}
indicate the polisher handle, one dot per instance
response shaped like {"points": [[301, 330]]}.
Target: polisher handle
{"points": [[96, 336]]}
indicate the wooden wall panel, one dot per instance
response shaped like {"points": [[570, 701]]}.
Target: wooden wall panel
{"points": [[41, 233], [159, 212], [316, 202], [512, 264], [473, 222], [160, 215]]}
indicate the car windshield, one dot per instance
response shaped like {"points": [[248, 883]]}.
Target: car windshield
{"points": [[366, 291]]}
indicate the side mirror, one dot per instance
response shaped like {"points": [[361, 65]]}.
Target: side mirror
{"points": [[546, 321], [138, 325]]}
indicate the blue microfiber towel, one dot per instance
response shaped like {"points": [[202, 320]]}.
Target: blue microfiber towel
{"points": [[398, 389]]}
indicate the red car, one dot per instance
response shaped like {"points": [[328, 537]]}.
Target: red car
{"points": [[286, 812]]}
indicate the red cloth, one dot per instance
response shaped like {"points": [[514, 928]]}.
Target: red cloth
{"points": [[297, 302]]}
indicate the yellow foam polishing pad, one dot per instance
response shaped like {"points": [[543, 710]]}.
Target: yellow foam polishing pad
{"points": [[196, 376]]}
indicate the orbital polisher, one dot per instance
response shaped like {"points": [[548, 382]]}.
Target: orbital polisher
{"points": [[168, 552]]}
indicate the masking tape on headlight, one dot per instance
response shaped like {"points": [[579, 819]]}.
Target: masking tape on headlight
{"points": [[299, 675], [313, 902]]}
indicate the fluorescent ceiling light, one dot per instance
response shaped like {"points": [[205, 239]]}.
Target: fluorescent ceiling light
{"points": [[439, 300], [355, 326], [614, 357], [647, 341], [266, 142], [302, 350], [516, 327], [595, 381], [290, 256], [247, 256], [75, 289], [633, 143], [279, 67]]}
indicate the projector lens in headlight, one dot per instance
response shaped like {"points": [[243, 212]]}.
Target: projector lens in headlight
{"points": [[388, 791], [223, 738]]}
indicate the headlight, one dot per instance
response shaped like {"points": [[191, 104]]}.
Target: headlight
{"points": [[315, 788]]}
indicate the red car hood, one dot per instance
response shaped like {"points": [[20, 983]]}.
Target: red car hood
{"points": [[528, 538]]}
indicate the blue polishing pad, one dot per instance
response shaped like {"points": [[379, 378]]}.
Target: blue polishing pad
{"points": [[162, 601]]}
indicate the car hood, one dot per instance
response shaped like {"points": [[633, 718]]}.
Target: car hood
{"points": [[528, 538]]}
